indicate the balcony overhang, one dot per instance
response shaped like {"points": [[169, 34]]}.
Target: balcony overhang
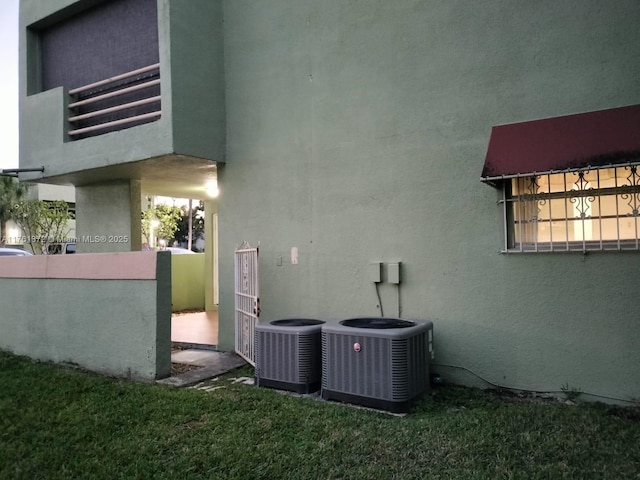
{"points": [[170, 139], [172, 175]]}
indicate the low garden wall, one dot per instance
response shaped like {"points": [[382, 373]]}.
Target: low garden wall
{"points": [[110, 313]]}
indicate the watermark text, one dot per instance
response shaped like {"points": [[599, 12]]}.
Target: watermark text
{"points": [[104, 239], [21, 239]]}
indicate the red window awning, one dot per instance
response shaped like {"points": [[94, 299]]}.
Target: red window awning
{"points": [[594, 139]]}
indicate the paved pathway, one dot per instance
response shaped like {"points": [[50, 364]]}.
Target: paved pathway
{"points": [[213, 364]]}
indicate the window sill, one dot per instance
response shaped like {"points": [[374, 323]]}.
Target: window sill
{"points": [[576, 247]]}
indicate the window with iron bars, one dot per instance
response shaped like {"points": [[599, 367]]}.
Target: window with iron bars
{"points": [[581, 210]]}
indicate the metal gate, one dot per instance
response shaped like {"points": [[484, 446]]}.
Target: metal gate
{"points": [[247, 301]]}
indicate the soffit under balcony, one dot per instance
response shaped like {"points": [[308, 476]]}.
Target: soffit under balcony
{"points": [[173, 175]]}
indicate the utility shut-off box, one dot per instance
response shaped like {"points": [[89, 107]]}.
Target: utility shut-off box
{"points": [[393, 273]]}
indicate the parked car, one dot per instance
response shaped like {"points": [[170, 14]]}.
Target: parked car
{"points": [[14, 252], [178, 250], [60, 248]]}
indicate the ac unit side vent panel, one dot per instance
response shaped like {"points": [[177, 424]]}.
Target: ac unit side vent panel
{"points": [[288, 357]]}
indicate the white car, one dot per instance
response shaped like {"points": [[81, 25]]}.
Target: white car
{"points": [[176, 250], [14, 252]]}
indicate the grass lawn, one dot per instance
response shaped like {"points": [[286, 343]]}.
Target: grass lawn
{"points": [[61, 423]]}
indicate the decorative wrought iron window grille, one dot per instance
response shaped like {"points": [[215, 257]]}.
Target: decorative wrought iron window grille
{"points": [[579, 210]]}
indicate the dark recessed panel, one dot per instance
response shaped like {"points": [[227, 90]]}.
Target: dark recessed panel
{"points": [[115, 37]]}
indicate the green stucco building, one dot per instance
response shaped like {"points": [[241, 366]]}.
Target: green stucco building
{"points": [[489, 147]]}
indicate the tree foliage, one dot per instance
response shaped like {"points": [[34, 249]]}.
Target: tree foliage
{"points": [[197, 220], [160, 222], [42, 222], [11, 192]]}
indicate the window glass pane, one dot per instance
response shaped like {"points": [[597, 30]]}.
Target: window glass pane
{"points": [[609, 229], [607, 178], [554, 183], [628, 228], [559, 230]]}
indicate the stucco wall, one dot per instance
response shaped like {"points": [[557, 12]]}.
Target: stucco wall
{"points": [[110, 313], [108, 217], [198, 107], [187, 282], [356, 132]]}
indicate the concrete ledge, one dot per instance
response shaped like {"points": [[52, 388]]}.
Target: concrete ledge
{"points": [[107, 266]]}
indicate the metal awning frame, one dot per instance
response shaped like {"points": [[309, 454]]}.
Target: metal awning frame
{"points": [[495, 181]]}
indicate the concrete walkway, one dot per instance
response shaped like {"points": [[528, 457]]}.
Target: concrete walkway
{"points": [[212, 364], [196, 334]]}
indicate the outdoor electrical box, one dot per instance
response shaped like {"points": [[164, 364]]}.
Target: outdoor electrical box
{"points": [[375, 272], [394, 273]]}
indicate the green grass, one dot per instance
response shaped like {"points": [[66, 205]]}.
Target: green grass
{"points": [[62, 423]]}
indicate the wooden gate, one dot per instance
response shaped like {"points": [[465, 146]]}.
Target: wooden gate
{"points": [[247, 301]]}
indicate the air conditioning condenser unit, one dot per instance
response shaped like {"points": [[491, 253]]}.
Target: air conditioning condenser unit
{"points": [[288, 355], [380, 363]]}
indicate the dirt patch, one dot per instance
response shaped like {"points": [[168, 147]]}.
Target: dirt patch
{"points": [[180, 368], [628, 413], [523, 397], [186, 312]]}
